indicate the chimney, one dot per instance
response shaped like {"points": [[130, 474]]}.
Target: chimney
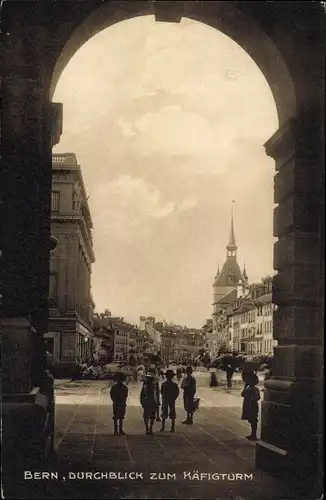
{"points": [[142, 323], [239, 290]]}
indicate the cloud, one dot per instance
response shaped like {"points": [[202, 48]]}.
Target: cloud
{"points": [[140, 195], [127, 192], [187, 204], [129, 209]]}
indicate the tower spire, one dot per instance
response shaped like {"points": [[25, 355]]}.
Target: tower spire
{"points": [[244, 274], [231, 246]]}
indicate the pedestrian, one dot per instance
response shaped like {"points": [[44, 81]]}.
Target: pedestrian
{"points": [[119, 395], [213, 381], [189, 390], [157, 392], [141, 372], [251, 396], [230, 369], [170, 392], [179, 372], [148, 400], [268, 373]]}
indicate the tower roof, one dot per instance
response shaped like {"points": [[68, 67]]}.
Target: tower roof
{"points": [[230, 274], [218, 270], [232, 244]]}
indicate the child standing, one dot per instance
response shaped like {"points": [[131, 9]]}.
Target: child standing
{"points": [[170, 392], [189, 390], [156, 383], [251, 396], [119, 395], [148, 400]]}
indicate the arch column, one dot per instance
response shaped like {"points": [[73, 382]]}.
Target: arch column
{"points": [[291, 410], [27, 136]]}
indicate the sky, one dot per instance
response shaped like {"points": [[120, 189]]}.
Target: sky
{"points": [[168, 123]]}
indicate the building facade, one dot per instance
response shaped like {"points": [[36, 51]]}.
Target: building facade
{"points": [[104, 339], [121, 337], [229, 283], [138, 342], [180, 342], [147, 324], [70, 335], [168, 345], [250, 321]]}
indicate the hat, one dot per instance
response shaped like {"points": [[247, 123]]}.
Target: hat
{"points": [[149, 376], [119, 377], [169, 373], [250, 377]]}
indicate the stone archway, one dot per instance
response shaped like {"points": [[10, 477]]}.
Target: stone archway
{"points": [[223, 16], [286, 42]]}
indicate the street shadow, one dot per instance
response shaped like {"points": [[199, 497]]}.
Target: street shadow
{"points": [[87, 453]]}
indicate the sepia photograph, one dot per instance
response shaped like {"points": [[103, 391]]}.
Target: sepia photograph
{"points": [[162, 201]]}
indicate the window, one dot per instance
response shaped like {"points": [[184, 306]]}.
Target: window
{"points": [[49, 345], [74, 201], [53, 289], [55, 201]]}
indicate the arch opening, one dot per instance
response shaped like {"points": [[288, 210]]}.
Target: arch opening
{"points": [[154, 112]]}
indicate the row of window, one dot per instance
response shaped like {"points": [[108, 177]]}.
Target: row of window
{"points": [[260, 347], [266, 310], [122, 341], [55, 202], [252, 332], [250, 316], [121, 333], [268, 327]]}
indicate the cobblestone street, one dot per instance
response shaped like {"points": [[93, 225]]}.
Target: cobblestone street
{"points": [[214, 445]]}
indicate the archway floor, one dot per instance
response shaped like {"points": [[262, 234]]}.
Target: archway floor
{"points": [[214, 444]]}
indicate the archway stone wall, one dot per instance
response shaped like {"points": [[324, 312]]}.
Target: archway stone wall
{"points": [[286, 41], [291, 411]]}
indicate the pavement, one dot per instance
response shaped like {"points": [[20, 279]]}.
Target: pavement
{"points": [[211, 459]]}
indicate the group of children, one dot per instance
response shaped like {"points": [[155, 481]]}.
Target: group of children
{"points": [[150, 400], [150, 396]]}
